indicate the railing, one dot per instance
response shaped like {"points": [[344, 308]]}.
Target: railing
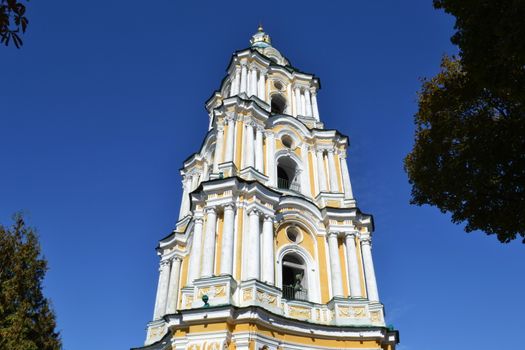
{"points": [[286, 185], [290, 293]]}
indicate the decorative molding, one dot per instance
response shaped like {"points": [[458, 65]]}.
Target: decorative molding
{"points": [[247, 294]]}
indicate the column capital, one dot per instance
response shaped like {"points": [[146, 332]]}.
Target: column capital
{"points": [[229, 206], [164, 263], [269, 218], [198, 220], [351, 234], [176, 258], [332, 234], [209, 210], [254, 211], [366, 240], [229, 118]]}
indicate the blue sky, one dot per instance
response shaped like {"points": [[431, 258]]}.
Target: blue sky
{"points": [[106, 99]]}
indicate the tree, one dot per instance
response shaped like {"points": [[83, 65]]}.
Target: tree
{"points": [[27, 321], [469, 153], [12, 22]]}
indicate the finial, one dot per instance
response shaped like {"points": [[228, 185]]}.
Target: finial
{"points": [[260, 39]]}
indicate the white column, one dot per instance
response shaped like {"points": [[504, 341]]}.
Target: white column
{"points": [[268, 263], [218, 148], [335, 265], [259, 161], [314, 105], [334, 185], [297, 101], [353, 271], [370, 275], [321, 171], [303, 104], [270, 158], [349, 194], [185, 203], [236, 85], [162, 289], [208, 257], [249, 81], [227, 240], [248, 147], [253, 82], [308, 102], [242, 144], [315, 177], [205, 169], [230, 139], [261, 86], [305, 174], [194, 181], [253, 268], [244, 78], [173, 290], [289, 100], [194, 266]]}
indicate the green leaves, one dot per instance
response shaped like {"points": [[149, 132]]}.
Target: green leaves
{"points": [[469, 153], [468, 157], [26, 319], [12, 22]]}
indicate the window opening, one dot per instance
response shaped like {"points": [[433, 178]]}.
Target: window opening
{"points": [[287, 175], [278, 104], [294, 278]]}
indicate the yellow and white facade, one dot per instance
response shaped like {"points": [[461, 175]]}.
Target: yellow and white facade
{"points": [[270, 250]]}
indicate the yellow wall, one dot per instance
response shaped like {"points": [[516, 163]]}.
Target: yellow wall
{"points": [[339, 173], [361, 269], [184, 277], [239, 145], [341, 250], [307, 243], [323, 278], [238, 257], [218, 244], [311, 174], [245, 326]]}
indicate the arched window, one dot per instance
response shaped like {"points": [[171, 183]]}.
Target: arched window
{"points": [[287, 174], [294, 277], [278, 104]]}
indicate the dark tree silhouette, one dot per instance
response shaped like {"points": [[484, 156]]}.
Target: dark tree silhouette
{"points": [[469, 153], [27, 321], [12, 22]]}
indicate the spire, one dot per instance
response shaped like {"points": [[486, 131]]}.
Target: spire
{"points": [[260, 39]]}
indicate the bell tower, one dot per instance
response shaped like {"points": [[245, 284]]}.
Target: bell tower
{"points": [[270, 250]]}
